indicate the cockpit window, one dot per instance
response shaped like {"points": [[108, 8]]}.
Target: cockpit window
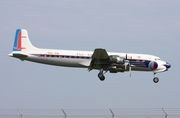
{"points": [[157, 59]]}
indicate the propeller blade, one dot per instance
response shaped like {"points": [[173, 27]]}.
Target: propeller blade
{"points": [[126, 62], [130, 67], [130, 71]]}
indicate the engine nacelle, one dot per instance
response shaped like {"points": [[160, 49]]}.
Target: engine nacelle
{"points": [[153, 65], [114, 69], [117, 59]]}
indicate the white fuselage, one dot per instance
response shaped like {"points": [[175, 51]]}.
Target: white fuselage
{"points": [[82, 59], [24, 50], [100, 59]]}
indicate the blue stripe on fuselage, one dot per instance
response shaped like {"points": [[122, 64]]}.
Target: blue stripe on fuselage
{"points": [[16, 40]]}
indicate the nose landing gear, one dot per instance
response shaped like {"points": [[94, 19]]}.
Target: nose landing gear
{"points": [[155, 79]]}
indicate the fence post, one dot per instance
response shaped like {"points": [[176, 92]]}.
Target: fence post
{"points": [[166, 115], [20, 113], [64, 113], [113, 116]]}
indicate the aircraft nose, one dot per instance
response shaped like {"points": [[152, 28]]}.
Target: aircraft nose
{"points": [[167, 65]]}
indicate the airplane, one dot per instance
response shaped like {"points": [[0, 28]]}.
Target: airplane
{"points": [[99, 59]]}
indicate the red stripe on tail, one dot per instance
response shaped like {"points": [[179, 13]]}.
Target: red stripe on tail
{"points": [[19, 41]]}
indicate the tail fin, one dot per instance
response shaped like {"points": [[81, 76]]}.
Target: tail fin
{"points": [[21, 41]]}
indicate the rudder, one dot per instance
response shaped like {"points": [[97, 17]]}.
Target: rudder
{"points": [[21, 41]]}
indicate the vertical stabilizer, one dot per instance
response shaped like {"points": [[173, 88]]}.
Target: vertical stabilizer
{"points": [[22, 42]]}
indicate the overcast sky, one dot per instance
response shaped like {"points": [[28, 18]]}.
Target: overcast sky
{"points": [[138, 26]]}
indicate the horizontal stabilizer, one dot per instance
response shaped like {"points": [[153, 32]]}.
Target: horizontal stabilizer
{"points": [[18, 55]]}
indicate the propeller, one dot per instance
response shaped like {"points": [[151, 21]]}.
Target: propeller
{"points": [[128, 62], [130, 67]]}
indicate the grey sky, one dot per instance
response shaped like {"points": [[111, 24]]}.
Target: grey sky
{"points": [[142, 26]]}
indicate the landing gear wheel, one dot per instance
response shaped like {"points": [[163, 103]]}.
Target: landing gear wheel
{"points": [[101, 76], [156, 79]]}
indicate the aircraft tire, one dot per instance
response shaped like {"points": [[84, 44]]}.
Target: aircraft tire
{"points": [[156, 80], [101, 76]]}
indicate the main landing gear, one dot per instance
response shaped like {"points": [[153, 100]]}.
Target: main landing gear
{"points": [[155, 79], [101, 75]]}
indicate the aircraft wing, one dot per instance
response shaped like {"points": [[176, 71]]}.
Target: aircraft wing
{"points": [[100, 59], [100, 54]]}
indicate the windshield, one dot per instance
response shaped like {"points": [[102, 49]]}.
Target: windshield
{"points": [[157, 59]]}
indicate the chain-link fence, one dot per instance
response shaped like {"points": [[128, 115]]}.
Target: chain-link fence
{"points": [[92, 113]]}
